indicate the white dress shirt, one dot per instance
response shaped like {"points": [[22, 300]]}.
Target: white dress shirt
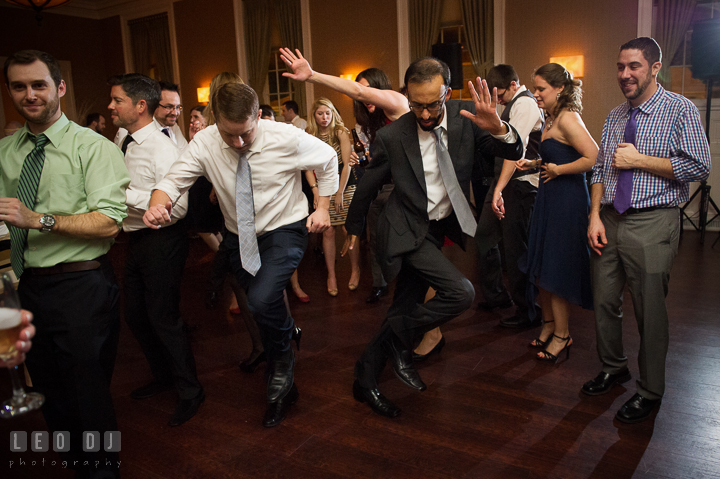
{"points": [[299, 123], [148, 158], [277, 158], [439, 205], [175, 133], [526, 117]]}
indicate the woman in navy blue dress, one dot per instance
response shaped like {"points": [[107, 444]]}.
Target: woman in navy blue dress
{"points": [[558, 258]]}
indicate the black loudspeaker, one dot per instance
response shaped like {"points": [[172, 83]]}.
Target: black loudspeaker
{"points": [[451, 53], [705, 52]]}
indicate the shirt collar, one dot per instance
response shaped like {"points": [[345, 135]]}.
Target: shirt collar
{"points": [[256, 146], [55, 133], [520, 89], [649, 105], [144, 133]]}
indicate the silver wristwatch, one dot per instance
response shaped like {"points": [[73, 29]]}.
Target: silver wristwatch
{"points": [[47, 222]]}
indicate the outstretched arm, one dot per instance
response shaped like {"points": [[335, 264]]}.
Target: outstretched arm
{"points": [[393, 103]]}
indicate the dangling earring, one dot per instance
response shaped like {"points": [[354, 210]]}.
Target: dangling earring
{"points": [[557, 98]]}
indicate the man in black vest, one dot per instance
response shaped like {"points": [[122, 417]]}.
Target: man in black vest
{"points": [[508, 217]]}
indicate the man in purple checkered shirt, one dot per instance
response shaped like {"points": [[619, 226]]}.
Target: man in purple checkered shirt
{"points": [[652, 146]]}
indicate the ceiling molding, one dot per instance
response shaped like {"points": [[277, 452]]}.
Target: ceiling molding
{"points": [[99, 9]]}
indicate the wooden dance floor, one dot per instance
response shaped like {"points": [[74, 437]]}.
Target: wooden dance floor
{"points": [[490, 411]]}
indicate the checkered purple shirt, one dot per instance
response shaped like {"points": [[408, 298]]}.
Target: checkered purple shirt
{"points": [[668, 126]]}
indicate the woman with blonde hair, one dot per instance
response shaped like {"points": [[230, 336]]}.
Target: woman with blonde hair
{"points": [[326, 124], [558, 257]]}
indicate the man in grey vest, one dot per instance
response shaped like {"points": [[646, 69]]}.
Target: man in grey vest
{"points": [[508, 217]]}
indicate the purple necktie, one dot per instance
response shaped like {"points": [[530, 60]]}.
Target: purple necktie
{"points": [[623, 193], [165, 130]]}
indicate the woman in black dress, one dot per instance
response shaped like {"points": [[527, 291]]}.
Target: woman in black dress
{"points": [[558, 257]]}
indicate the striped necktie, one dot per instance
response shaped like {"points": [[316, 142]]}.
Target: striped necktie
{"points": [[27, 193], [247, 236], [457, 198]]}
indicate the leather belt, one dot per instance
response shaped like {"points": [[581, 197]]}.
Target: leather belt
{"points": [[633, 211], [74, 267]]}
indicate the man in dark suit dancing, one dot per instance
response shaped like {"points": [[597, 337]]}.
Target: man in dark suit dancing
{"points": [[429, 154]]}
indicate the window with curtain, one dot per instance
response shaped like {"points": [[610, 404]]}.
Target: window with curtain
{"points": [[681, 80], [280, 89], [150, 44]]}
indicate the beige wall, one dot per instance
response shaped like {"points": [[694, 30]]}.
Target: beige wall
{"points": [[206, 46], [350, 37], [559, 27]]}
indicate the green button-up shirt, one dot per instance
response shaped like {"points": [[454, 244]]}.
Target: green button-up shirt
{"points": [[83, 172]]}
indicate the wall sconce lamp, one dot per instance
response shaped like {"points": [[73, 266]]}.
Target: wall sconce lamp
{"points": [[203, 94], [575, 64], [349, 76]]}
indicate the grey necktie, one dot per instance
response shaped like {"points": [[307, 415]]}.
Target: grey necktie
{"points": [[457, 198], [249, 253]]}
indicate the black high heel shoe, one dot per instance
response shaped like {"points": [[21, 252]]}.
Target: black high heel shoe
{"points": [[296, 335], [539, 343], [547, 356], [438, 347]]}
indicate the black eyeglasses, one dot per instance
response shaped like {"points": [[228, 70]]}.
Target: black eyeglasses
{"points": [[433, 107], [179, 108]]}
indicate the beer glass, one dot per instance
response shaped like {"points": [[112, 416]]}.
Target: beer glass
{"points": [[10, 327]]}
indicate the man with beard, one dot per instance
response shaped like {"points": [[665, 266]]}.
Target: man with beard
{"points": [[429, 154], [96, 122], [62, 190], [167, 113], [652, 146], [155, 258]]}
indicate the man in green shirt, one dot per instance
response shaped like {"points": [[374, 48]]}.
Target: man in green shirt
{"points": [[62, 192]]}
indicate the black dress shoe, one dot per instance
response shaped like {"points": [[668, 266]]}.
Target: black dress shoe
{"points": [[438, 347], [211, 299], [186, 409], [150, 390], [281, 377], [603, 382], [250, 367], [490, 305], [637, 409], [516, 322], [376, 294], [296, 335], [377, 402], [276, 411], [401, 361]]}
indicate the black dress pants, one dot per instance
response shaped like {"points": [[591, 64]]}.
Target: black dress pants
{"points": [[77, 317], [153, 273], [409, 316], [513, 230], [280, 253]]}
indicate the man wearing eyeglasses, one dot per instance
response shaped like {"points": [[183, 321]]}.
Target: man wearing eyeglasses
{"points": [[429, 154], [168, 112]]}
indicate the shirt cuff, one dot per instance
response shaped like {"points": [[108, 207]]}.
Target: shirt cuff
{"points": [[509, 137]]}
